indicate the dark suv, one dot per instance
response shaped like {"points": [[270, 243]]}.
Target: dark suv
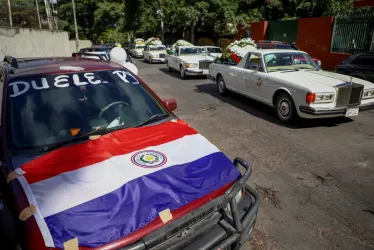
{"points": [[360, 65], [92, 158]]}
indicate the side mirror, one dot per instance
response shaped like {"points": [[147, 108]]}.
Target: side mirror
{"points": [[171, 104]]}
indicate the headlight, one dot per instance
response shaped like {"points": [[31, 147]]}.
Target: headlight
{"points": [[191, 65], [154, 56], [368, 94], [319, 97]]}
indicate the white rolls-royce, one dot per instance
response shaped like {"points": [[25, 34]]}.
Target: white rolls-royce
{"points": [[154, 53], [189, 61], [292, 83]]}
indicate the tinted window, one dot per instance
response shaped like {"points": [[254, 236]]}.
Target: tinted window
{"points": [[214, 50], [44, 110], [288, 61], [282, 46], [365, 60], [266, 46], [155, 48]]}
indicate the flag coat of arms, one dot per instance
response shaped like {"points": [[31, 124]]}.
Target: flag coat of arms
{"points": [[103, 190]]}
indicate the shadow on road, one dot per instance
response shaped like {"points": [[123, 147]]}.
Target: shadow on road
{"points": [[176, 75], [265, 112]]}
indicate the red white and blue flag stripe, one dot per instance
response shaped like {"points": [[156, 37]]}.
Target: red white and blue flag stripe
{"points": [[105, 189]]}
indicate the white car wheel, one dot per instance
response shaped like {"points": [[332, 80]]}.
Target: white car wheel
{"points": [[285, 108], [182, 72], [150, 60], [221, 86], [168, 67]]}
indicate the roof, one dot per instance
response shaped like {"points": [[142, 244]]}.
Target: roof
{"points": [[268, 51], [44, 66]]}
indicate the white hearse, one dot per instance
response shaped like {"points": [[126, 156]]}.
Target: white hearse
{"points": [[154, 53], [292, 83], [189, 60]]}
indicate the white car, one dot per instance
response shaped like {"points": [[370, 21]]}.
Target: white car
{"points": [[214, 51], [154, 53], [136, 50], [189, 61], [292, 83]]}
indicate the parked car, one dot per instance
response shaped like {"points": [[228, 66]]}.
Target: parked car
{"points": [[360, 65], [267, 44], [136, 50], [91, 156], [214, 51], [189, 61], [99, 55], [104, 49], [281, 80], [154, 53]]}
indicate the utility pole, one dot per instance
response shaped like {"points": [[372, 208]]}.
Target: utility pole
{"points": [[76, 27], [37, 10], [159, 12], [10, 14], [48, 12], [54, 12]]}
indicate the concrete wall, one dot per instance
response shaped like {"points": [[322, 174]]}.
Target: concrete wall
{"points": [[82, 44], [20, 42]]}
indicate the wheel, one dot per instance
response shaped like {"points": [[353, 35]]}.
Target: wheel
{"points": [[221, 86], [168, 67], [150, 60], [285, 108], [182, 72]]}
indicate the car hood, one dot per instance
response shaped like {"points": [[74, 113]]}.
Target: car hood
{"points": [[313, 79], [196, 58], [107, 188], [139, 50]]}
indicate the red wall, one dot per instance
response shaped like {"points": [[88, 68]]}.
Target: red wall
{"points": [[314, 36]]}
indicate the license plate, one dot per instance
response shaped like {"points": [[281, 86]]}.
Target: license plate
{"points": [[206, 71], [351, 112]]}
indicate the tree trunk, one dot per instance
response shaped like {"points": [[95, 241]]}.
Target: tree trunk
{"points": [[193, 34]]}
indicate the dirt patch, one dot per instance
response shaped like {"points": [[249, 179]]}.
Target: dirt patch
{"points": [[269, 194], [259, 240]]}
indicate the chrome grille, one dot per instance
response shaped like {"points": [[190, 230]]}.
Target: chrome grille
{"points": [[204, 64], [349, 94], [162, 55]]}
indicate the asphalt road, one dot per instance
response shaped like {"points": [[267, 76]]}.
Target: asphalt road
{"points": [[316, 179]]}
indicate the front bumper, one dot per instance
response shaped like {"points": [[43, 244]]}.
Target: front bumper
{"points": [[216, 225], [197, 72], [157, 59], [337, 111]]}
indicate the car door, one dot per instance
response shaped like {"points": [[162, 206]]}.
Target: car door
{"points": [[253, 76], [174, 58]]}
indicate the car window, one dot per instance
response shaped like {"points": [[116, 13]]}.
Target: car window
{"points": [[139, 46], [48, 109], [156, 48], [214, 50], [266, 46], [288, 61], [253, 62], [282, 46], [192, 50], [364, 60]]}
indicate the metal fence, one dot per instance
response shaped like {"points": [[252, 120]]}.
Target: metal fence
{"points": [[352, 34]]}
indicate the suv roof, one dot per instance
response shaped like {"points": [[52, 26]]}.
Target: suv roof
{"points": [[53, 65]]}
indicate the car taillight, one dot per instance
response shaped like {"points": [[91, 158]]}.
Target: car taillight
{"points": [[310, 98]]}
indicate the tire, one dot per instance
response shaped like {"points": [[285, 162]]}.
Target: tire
{"points": [[285, 108], [170, 69], [221, 86], [182, 72], [150, 60]]}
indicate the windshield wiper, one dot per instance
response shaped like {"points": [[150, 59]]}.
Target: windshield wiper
{"points": [[152, 119], [75, 139]]}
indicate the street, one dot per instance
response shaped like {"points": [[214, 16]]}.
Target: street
{"points": [[316, 179]]}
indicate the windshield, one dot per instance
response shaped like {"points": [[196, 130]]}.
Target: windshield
{"points": [[45, 110], [139, 46], [153, 48], [288, 61], [214, 50], [282, 46], [192, 51]]}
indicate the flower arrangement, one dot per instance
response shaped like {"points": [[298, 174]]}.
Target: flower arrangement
{"points": [[139, 41], [153, 41], [236, 50], [179, 43]]}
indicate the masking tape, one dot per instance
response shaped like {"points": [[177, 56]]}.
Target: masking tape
{"points": [[165, 215], [27, 212], [11, 176], [71, 244]]}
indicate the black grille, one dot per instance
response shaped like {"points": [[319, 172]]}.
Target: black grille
{"points": [[204, 64], [162, 55], [349, 94]]}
